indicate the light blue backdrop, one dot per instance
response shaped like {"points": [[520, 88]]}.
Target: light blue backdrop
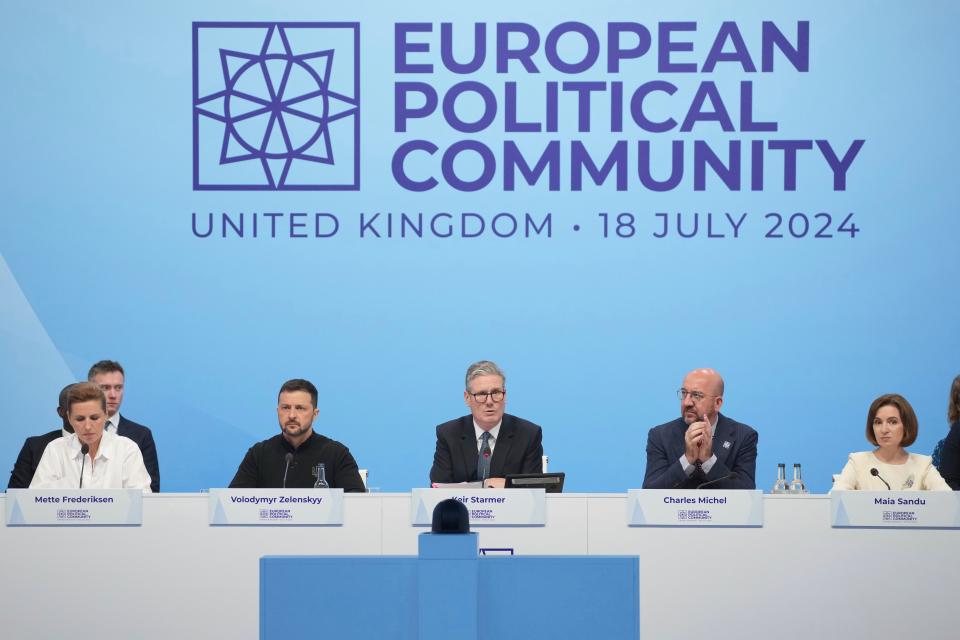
{"points": [[98, 259]]}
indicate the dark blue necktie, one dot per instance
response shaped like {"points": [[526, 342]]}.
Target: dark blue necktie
{"points": [[483, 461]]}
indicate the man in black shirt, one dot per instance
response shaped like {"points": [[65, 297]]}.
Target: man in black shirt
{"points": [[266, 464]]}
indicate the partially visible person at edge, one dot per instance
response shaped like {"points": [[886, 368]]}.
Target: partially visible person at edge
{"points": [[950, 453], [34, 446]]}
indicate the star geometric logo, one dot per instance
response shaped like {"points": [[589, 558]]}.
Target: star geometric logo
{"points": [[276, 106]]}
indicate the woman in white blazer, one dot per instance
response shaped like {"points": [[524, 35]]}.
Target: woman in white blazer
{"points": [[891, 427]]}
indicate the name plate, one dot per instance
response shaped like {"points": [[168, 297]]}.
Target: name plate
{"points": [[939, 509], [74, 507], [276, 507], [486, 506], [685, 508]]}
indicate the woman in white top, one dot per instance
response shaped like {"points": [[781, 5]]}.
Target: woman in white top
{"points": [[891, 426], [111, 462]]}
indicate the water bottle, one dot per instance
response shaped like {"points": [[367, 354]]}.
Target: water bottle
{"points": [[320, 473], [780, 486], [796, 485]]}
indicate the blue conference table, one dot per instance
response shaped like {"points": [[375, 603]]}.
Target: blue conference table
{"points": [[448, 591]]}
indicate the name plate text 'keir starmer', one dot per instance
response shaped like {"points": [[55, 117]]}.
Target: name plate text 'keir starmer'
{"points": [[685, 508], [930, 509], [72, 507], [486, 506], [276, 507]]}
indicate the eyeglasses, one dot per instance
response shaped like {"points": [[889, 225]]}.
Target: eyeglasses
{"points": [[496, 395], [696, 395]]}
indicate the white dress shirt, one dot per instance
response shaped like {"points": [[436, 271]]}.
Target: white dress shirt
{"points": [[117, 465], [112, 423]]}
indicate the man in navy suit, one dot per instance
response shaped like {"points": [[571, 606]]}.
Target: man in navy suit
{"points": [[109, 376], [702, 446], [34, 446], [488, 444]]}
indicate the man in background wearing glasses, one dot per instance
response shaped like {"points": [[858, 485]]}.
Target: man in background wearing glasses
{"points": [[488, 444], [702, 447]]}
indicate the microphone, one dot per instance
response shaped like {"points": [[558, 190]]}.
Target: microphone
{"points": [[84, 450], [730, 476], [874, 472], [486, 460], [289, 459]]}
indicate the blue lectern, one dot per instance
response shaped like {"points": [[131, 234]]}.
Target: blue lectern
{"points": [[447, 592]]}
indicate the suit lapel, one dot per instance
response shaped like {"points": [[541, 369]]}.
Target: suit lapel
{"points": [[723, 439], [502, 449], [121, 426], [678, 440], [468, 446]]}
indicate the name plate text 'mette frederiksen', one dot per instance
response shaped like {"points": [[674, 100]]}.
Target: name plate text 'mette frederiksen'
{"points": [[73, 507]]}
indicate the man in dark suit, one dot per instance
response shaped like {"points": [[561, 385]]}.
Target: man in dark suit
{"points": [[34, 447], [702, 446], [109, 376], [488, 444]]}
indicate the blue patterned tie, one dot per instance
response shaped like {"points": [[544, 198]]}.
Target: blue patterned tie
{"points": [[483, 462]]}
